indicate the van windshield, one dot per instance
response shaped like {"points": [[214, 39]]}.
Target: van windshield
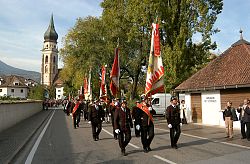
{"points": [[155, 101]]}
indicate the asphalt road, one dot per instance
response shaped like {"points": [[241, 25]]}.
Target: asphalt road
{"points": [[58, 142]]}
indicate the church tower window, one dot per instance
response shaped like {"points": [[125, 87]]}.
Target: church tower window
{"points": [[46, 69], [46, 59]]}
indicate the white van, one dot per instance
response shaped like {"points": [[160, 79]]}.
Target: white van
{"points": [[160, 102]]}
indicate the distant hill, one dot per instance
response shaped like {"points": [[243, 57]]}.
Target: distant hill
{"points": [[6, 69]]}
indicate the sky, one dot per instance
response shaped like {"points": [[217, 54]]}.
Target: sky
{"points": [[23, 23]]}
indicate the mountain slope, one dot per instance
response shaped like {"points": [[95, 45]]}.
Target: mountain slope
{"points": [[6, 69]]}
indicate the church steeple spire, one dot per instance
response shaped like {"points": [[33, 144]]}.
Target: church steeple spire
{"points": [[50, 34]]}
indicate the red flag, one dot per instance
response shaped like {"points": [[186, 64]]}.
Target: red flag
{"points": [[115, 74], [155, 72], [103, 90], [85, 87]]}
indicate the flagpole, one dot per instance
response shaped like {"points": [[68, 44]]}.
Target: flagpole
{"points": [[117, 88]]}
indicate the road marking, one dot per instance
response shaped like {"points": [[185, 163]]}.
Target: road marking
{"points": [[215, 141], [34, 148], [164, 159], [134, 146]]}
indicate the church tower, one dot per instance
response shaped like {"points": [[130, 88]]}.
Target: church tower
{"points": [[49, 68]]}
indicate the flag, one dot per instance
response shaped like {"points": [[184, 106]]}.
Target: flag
{"points": [[155, 72], [115, 74], [89, 87], [85, 88], [103, 89]]}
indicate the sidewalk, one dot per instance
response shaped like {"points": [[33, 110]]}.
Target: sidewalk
{"points": [[13, 139]]}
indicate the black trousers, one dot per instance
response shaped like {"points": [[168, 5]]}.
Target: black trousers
{"points": [[96, 129], [113, 122], [175, 132], [243, 129], [248, 130], [85, 115], [76, 119], [147, 135], [123, 138]]}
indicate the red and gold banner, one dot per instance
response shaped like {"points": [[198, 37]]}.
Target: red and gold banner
{"points": [[115, 74], [155, 72], [103, 88]]}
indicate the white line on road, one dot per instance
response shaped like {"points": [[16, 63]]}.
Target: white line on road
{"points": [[34, 148], [134, 146], [226, 143], [164, 159], [156, 156]]}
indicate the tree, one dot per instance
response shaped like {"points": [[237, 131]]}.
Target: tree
{"points": [[84, 47], [36, 92], [92, 41]]}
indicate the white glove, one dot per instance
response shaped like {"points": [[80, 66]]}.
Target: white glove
{"points": [[137, 127], [89, 122], [109, 114], [169, 126], [180, 124], [117, 131]]}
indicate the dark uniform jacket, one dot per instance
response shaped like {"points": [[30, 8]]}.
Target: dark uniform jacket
{"points": [[96, 115], [122, 120], [173, 115], [142, 118], [246, 117]]}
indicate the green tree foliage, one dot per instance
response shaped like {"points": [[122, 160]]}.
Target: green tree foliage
{"points": [[37, 93], [92, 41]]}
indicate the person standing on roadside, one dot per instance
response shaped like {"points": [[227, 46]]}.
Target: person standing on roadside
{"points": [[229, 115], [246, 119], [241, 110], [174, 121]]}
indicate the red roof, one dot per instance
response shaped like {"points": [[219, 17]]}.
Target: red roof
{"points": [[229, 70]]}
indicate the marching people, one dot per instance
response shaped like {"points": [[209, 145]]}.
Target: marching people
{"points": [[174, 121], [96, 117], [122, 125], [229, 115], [113, 106], [134, 112], [85, 109], [144, 118], [246, 119], [76, 113], [241, 110]]}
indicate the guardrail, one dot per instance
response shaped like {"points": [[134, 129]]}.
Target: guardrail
{"points": [[12, 112]]}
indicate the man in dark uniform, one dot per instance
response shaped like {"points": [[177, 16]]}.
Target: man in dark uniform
{"points": [[144, 118], [122, 125], [174, 121], [112, 106], [85, 110], [96, 117], [76, 113], [134, 112]]}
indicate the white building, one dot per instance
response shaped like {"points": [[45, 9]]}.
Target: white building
{"points": [[15, 86]]}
